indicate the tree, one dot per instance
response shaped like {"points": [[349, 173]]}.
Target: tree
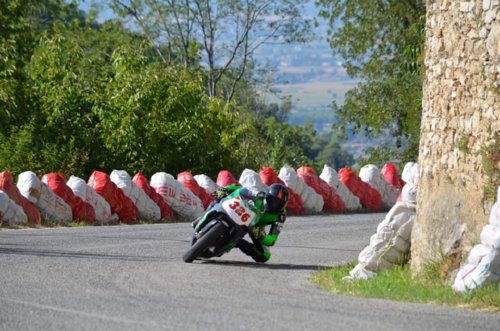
{"points": [[86, 95], [228, 31], [21, 24], [157, 118], [381, 43], [331, 153]]}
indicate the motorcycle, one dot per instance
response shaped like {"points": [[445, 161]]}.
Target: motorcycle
{"points": [[221, 228]]}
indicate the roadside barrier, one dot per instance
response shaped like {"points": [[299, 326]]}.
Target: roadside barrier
{"points": [[120, 204], [81, 210], [167, 214], [330, 176], [52, 208], [187, 179], [102, 209], [106, 199], [147, 209], [312, 201], [252, 181], [7, 185], [372, 175], [332, 201], [183, 202], [294, 205], [483, 263], [10, 212]]}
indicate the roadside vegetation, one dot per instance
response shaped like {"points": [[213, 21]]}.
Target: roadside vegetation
{"points": [[432, 286], [381, 44], [152, 89]]}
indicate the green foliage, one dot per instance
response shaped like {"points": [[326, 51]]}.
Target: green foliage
{"points": [[287, 144], [398, 284], [21, 22], [381, 43], [79, 96], [331, 153], [155, 118], [15, 43]]}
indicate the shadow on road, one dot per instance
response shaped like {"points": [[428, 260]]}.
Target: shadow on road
{"points": [[69, 254], [321, 248], [275, 266]]}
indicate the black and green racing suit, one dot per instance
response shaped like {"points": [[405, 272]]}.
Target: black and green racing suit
{"points": [[258, 249]]}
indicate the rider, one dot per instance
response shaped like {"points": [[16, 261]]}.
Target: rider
{"points": [[270, 205]]}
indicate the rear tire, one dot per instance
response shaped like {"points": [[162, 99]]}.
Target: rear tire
{"points": [[203, 243]]}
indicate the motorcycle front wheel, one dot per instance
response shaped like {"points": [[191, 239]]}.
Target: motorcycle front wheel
{"points": [[203, 243]]}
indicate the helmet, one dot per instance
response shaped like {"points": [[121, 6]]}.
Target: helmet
{"points": [[276, 198]]}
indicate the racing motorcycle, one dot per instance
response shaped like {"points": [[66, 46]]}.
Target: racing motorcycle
{"points": [[220, 229]]}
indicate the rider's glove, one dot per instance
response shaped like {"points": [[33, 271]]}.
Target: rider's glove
{"points": [[257, 232]]}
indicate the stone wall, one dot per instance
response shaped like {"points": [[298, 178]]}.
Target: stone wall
{"points": [[460, 119]]}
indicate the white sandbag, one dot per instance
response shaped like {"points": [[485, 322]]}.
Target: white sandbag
{"points": [[390, 245], [318, 202], [10, 212], [311, 201], [252, 181], [207, 183], [330, 176], [102, 208], [292, 180], [359, 272], [4, 202], [410, 173], [478, 252], [182, 201], [372, 259], [29, 186], [490, 236], [371, 174], [481, 269], [409, 193], [147, 209], [495, 211], [52, 207], [400, 218]]}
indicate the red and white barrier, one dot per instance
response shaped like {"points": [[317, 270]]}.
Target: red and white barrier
{"points": [[10, 212], [182, 201], [52, 207], [146, 208], [8, 186], [312, 201], [102, 208]]}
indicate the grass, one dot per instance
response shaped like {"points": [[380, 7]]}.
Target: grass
{"points": [[399, 285]]}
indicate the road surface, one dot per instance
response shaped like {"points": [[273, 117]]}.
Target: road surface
{"points": [[133, 278]]}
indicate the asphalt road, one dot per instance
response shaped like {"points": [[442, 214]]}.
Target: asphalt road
{"points": [[133, 278]]}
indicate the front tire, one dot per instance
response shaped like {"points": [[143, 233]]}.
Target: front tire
{"points": [[203, 243]]}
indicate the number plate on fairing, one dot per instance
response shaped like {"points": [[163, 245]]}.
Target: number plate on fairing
{"points": [[238, 211]]}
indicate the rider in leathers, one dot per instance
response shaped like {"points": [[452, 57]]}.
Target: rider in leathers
{"points": [[270, 205]]}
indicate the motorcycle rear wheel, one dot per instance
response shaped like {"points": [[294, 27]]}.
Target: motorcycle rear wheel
{"points": [[203, 243]]}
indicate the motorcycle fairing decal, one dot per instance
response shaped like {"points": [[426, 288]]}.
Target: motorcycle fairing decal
{"points": [[238, 211]]}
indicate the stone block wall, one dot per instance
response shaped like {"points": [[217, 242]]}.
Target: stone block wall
{"points": [[461, 117]]}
